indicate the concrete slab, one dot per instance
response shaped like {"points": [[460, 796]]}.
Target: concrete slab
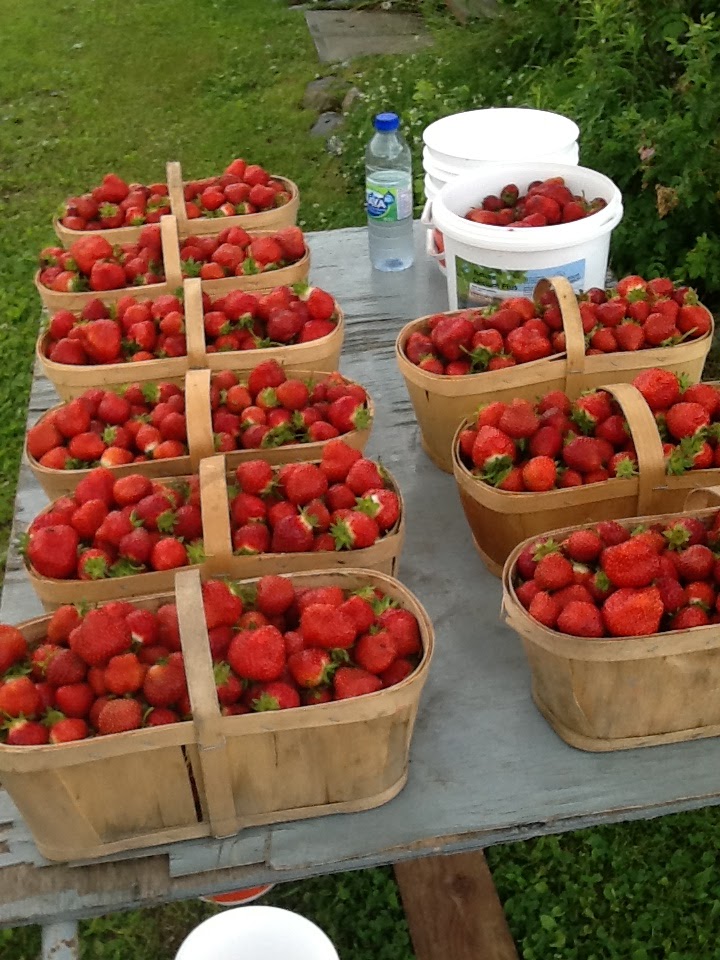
{"points": [[343, 34]]}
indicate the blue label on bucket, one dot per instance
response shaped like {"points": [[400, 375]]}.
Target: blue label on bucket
{"points": [[475, 283]]}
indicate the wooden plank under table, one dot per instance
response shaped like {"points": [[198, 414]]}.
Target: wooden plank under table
{"points": [[485, 767]]}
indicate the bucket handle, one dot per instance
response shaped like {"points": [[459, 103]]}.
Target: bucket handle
{"points": [[430, 247], [426, 218], [647, 443]]}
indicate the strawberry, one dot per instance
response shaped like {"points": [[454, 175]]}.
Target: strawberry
{"points": [[553, 572], [164, 684], [19, 697], [13, 647], [101, 636], [493, 451], [65, 667], [660, 388], [311, 668], [633, 613], [307, 482], [364, 475], [277, 695], [581, 619], [337, 460], [519, 420], [695, 562], [630, 564], [254, 538], [118, 716], [292, 534], [25, 733], [258, 655], [67, 729], [52, 551], [375, 652], [539, 473], [354, 682], [124, 674], [74, 699], [584, 454], [274, 595], [686, 419], [354, 531], [168, 554], [382, 505], [222, 606], [325, 626]]}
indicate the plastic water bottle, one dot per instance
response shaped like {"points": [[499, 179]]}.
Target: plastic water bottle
{"points": [[389, 196]]}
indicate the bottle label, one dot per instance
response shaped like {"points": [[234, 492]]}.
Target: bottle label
{"points": [[476, 283], [388, 204]]}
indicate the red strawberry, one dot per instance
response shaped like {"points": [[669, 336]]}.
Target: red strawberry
{"points": [[686, 419], [539, 473], [493, 451], [254, 538], [354, 682], [13, 647], [375, 652], [118, 716], [222, 606], [52, 551], [258, 654], [277, 695], [26, 733], [354, 531], [101, 636], [630, 564], [74, 699], [581, 619], [19, 697], [311, 667], [292, 534], [584, 454], [67, 729], [660, 388], [553, 572], [382, 505], [274, 595], [306, 482], [337, 460], [519, 420], [323, 625], [633, 613]]}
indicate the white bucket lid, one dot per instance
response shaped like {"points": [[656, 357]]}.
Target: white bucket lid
{"points": [[500, 134], [268, 932], [463, 193]]}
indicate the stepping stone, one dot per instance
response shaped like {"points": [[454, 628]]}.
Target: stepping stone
{"points": [[326, 123], [343, 34]]}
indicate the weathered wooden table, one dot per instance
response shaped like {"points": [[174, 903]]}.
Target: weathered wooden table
{"points": [[485, 767]]}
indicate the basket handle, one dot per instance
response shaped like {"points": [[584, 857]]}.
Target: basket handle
{"points": [[171, 252], [194, 324], [198, 416], [173, 174], [572, 326], [702, 497], [647, 442], [211, 743], [215, 513]]}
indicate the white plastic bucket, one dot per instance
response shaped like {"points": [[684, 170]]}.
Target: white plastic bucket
{"points": [[500, 135], [484, 260], [250, 933]]}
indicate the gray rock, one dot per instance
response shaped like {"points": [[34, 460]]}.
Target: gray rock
{"points": [[324, 95], [350, 99], [326, 124], [341, 35]]}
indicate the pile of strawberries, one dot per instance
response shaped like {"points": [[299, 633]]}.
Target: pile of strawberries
{"points": [[236, 253], [609, 580], [129, 331], [558, 443], [92, 263], [285, 315], [119, 667], [242, 188], [114, 527], [638, 314], [109, 428], [271, 409], [346, 502], [116, 203], [546, 203]]}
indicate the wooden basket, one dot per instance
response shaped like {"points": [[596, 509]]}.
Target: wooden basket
{"points": [[383, 556], [499, 519], [58, 483], [441, 402], [54, 593], [274, 219], [214, 775], [601, 695], [317, 356], [52, 300]]}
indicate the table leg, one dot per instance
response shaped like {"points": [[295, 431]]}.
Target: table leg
{"points": [[453, 909], [60, 941]]}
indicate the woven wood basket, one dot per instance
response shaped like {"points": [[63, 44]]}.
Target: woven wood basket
{"points": [[499, 520], [53, 300], [58, 483], [274, 219], [602, 695], [215, 775], [441, 402]]}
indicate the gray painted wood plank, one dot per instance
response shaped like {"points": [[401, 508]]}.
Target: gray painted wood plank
{"points": [[485, 767]]}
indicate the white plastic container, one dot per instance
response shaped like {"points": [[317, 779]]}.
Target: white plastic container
{"points": [[505, 261], [257, 933], [500, 135]]}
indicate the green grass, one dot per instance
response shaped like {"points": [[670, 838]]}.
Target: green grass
{"points": [[86, 87]]}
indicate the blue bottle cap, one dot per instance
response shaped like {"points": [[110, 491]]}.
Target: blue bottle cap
{"points": [[385, 122]]}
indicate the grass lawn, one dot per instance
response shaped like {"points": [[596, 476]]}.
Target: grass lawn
{"points": [[87, 87]]}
